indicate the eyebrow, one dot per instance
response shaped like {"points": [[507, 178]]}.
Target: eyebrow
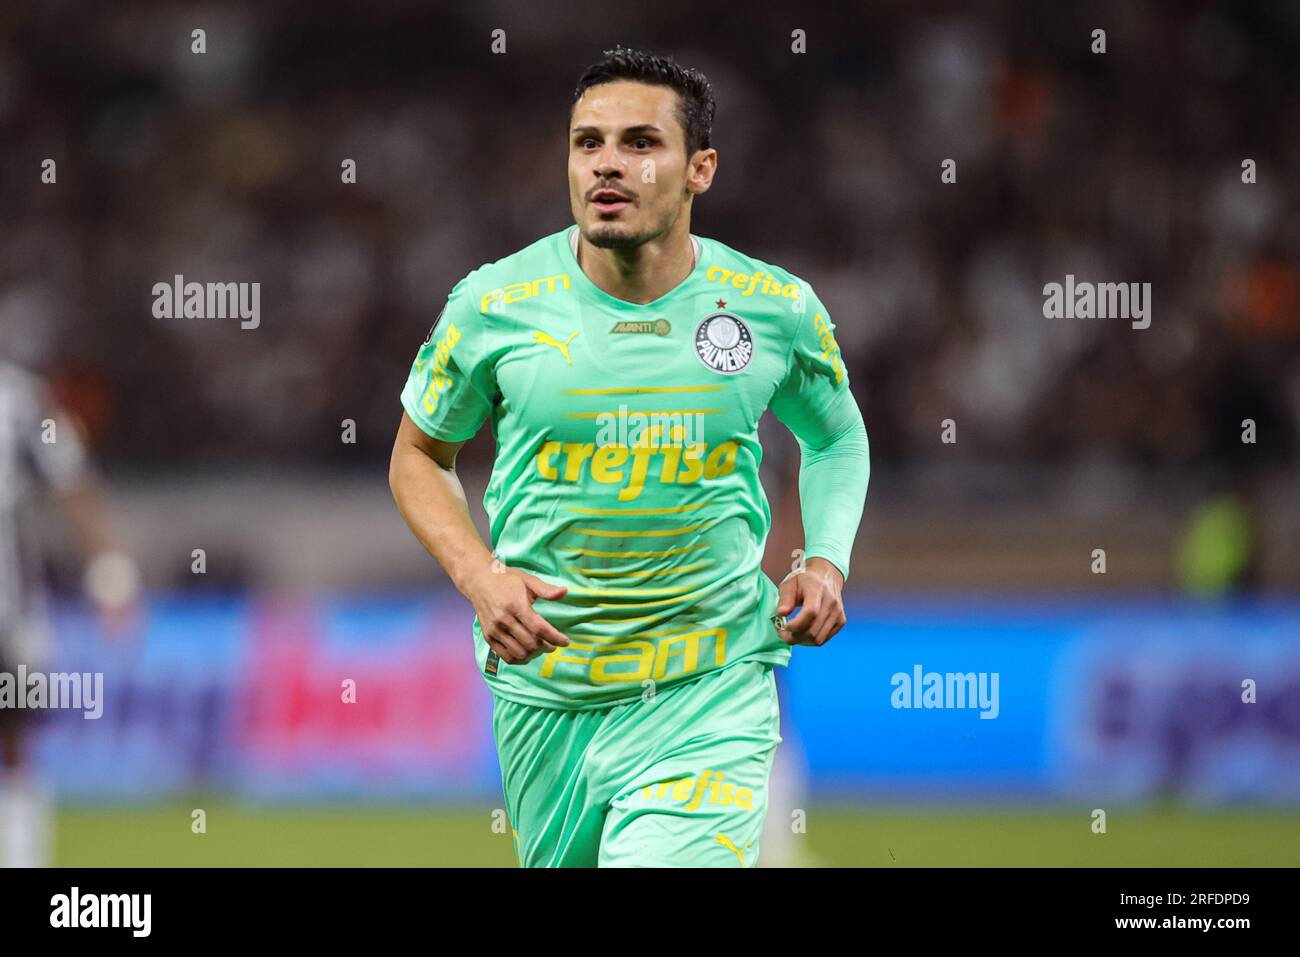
{"points": [[639, 128]]}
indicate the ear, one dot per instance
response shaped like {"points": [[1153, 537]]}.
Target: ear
{"points": [[700, 170]]}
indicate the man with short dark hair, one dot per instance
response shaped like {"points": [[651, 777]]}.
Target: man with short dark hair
{"points": [[624, 624]]}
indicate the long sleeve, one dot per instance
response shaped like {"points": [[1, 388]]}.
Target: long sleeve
{"points": [[815, 403]]}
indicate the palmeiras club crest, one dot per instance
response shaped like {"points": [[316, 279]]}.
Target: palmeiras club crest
{"points": [[723, 342]]}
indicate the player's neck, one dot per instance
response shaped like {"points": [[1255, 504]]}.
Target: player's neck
{"points": [[644, 273]]}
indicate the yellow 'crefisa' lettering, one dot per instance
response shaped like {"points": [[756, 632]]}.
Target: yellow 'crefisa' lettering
{"points": [[439, 379], [760, 281], [633, 467], [706, 788], [830, 348]]}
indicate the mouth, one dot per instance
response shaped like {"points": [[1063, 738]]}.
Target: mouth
{"points": [[609, 201]]}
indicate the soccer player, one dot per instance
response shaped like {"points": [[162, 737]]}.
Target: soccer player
{"points": [[41, 450], [623, 622]]}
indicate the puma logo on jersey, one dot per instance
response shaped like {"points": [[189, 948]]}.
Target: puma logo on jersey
{"points": [[545, 339], [729, 845]]}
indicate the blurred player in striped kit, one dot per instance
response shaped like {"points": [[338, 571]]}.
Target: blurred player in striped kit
{"points": [[41, 452]]}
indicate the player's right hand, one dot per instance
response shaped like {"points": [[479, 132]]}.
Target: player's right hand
{"points": [[120, 623], [503, 600]]}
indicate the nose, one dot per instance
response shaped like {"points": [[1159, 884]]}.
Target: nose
{"points": [[608, 165]]}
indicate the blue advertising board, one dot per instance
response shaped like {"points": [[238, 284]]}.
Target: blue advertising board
{"points": [[379, 698]]}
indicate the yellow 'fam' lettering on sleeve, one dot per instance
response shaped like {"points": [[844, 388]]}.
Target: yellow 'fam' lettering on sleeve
{"points": [[515, 291]]}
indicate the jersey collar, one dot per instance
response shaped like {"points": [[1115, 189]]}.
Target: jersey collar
{"points": [[701, 254]]}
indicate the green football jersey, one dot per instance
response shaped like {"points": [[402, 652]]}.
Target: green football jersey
{"points": [[627, 456]]}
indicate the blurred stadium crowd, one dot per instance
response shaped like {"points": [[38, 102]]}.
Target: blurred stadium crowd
{"points": [[225, 166], [1073, 435]]}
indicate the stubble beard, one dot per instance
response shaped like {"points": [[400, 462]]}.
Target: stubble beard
{"points": [[621, 235], [615, 236]]}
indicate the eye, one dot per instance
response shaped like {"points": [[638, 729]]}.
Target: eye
{"points": [[642, 143]]}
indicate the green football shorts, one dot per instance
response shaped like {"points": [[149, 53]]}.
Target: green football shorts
{"points": [[676, 781]]}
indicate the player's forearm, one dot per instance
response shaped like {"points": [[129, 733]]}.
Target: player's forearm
{"points": [[832, 491], [433, 504], [84, 509], [111, 578]]}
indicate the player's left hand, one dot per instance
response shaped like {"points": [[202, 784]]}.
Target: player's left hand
{"points": [[112, 583], [816, 591]]}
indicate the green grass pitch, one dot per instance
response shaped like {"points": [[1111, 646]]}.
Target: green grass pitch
{"points": [[836, 835]]}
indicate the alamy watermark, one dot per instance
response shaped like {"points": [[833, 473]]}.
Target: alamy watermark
{"points": [[179, 299], [949, 689], [75, 909], [677, 429], [1098, 300], [35, 690]]}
